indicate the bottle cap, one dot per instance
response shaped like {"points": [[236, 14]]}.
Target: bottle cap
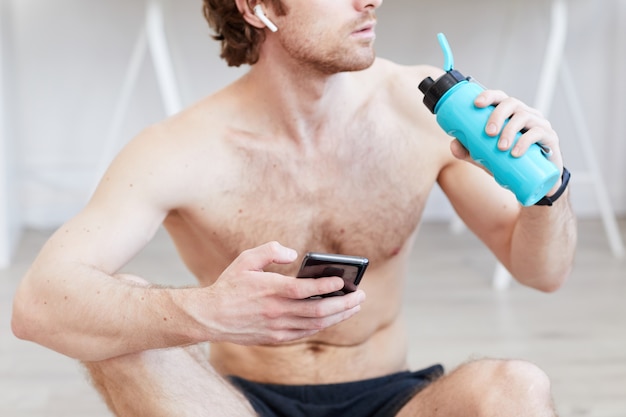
{"points": [[434, 90]]}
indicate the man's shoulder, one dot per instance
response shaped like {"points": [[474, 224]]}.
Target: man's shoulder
{"points": [[396, 85], [391, 70], [398, 80], [174, 150], [196, 127]]}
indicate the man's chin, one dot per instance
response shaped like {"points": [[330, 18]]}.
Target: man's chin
{"points": [[363, 67], [360, 64]]}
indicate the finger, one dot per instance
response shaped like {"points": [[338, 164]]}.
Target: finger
{"points": [[459, 151], [331, 306], [546, 139], [256, 259], [302, 288], [507, 110], [320, 324], [501, 115], [316, 324], [288, 335], [508, 137], [490, 98], [528, 138]]}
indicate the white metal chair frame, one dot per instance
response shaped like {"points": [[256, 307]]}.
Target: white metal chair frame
{"points": [[152, 38], [555, 64]]}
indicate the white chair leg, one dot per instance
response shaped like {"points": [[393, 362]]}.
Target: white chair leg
{"points": [[602, 195], [161, 58], [151, 38], [111, 145], [553, 57], [545, 92], [554, 64], [501, 278]]}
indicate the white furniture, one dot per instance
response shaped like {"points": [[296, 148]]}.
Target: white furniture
{"points": [[152, 39], [9, 221], [555, 65]]}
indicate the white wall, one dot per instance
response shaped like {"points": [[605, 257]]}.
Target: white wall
{"points": [[72, 56], [9, 217]]}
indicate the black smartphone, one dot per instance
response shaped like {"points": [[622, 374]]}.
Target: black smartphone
{"points": [[350, 268]]}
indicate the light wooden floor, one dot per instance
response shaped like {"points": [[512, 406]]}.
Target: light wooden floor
{"points": [[578, 335]]}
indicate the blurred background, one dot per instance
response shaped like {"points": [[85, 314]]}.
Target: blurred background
{"points": [[64, 64]]}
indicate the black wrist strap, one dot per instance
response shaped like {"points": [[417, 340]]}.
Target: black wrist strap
{"points": [[547, 201]]}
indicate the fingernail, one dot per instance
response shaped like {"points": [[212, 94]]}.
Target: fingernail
{"points": [[504, 144], [492, 129]]}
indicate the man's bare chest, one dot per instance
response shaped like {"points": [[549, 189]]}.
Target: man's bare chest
{"points": [[364, 199]]}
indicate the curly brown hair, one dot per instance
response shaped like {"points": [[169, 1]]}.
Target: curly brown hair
{"points": [[240, 40]]}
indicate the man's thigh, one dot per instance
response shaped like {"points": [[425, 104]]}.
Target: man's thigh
{"points": [[167, 382]]}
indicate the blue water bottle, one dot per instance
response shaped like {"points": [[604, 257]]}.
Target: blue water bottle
{"points": [[451, 98]]}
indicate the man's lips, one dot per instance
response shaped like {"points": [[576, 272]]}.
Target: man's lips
{"points": [[366, 29]]}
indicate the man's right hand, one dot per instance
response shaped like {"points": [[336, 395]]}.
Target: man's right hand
{"points": [[249, 306]]}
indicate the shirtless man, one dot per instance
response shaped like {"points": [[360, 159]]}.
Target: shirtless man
{"points": [[321, 147]]}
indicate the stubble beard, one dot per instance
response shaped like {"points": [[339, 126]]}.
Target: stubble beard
{"points": [[327, 55]]}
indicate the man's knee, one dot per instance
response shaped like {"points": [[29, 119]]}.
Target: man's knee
{"points": [[527, 374], [521, 378], [512, 381]]}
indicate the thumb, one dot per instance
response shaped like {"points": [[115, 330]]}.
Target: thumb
{"points": [[256, 259], [459, 151]]}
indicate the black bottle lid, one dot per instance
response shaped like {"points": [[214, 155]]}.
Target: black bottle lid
{"points": [[434, 90]]}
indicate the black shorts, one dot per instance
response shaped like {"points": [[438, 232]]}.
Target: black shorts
{"points": [[377, 397]]}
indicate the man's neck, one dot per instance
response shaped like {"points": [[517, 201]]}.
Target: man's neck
{"points": [[301, 101]]}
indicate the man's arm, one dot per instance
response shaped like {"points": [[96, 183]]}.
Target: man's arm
{"points": [[536, 244], [71, 301]]}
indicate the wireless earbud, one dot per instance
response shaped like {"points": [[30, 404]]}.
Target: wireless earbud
{"points": [[258, 11]]}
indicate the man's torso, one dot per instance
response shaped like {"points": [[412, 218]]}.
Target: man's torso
{"points": [[357, 187]]}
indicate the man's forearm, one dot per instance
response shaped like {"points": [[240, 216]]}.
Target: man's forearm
{"points": [[92, 316], [543, 245]]}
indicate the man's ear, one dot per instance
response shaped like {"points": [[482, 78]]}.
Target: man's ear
{"points": [[260, 14], [247, 11]]}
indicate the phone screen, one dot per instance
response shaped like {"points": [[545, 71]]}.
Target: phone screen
{"points": [[349, 268]]}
